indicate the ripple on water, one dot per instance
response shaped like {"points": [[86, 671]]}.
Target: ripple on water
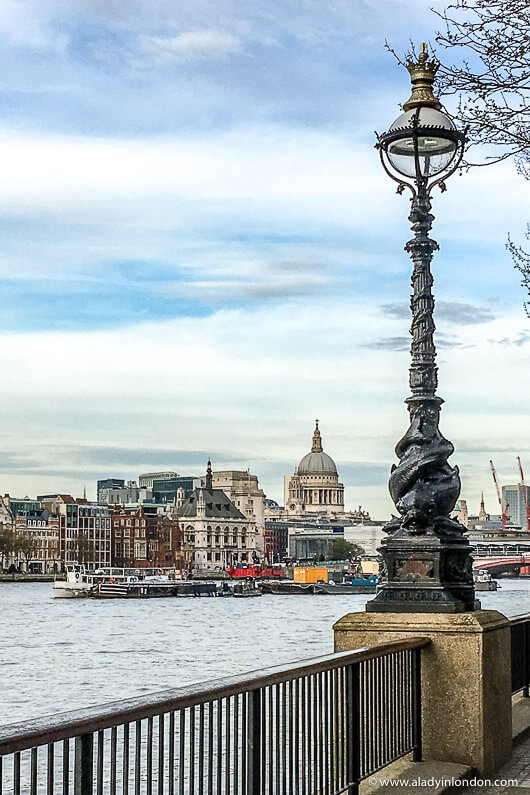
{"points": [[79, 653]]}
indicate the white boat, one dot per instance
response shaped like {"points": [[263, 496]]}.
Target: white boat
{"points": [[80, 581], [484, 581]]}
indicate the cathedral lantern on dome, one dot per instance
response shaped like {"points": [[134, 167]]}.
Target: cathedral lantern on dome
{"points": [[314, 487]]}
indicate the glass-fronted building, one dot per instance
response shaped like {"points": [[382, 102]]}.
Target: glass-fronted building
{"points": [[166, 490], [514, 496]]}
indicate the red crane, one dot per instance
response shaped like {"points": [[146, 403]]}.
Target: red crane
{"points": [[525, 496], [504, 512]]}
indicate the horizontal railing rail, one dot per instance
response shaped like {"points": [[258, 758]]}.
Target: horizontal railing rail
{"points": [[319, 726], [520, 644]]}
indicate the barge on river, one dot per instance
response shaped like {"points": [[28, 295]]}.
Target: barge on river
{"points": [[112, 582], [358, 585], [152, 589]]}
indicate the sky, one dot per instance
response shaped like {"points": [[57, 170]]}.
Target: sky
{"points": [[200, 252]]}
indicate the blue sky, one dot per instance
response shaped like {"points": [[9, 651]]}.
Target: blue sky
{"points": [[200, 252]]}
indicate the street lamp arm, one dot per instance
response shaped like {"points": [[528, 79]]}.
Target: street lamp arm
{"points": [[402, 184]]}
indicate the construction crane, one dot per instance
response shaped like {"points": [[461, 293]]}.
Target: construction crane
{"points": [[525, 495], [504, 512]]}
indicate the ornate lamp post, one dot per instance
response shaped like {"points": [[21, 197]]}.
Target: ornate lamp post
{"points": [[426, 564]]}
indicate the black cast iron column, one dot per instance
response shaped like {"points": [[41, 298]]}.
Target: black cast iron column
{"points": [[426, 563]]}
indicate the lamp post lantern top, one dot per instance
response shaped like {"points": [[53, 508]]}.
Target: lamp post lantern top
{"points": [[422, 74], [422, 144]]}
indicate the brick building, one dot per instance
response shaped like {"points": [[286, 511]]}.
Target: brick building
{"points": [[145, 538]]}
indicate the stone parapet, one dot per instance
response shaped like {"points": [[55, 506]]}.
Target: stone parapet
{"points": [[466, 679]]}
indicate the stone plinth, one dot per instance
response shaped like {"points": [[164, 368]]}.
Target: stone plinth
{"points": [[466, 679]]}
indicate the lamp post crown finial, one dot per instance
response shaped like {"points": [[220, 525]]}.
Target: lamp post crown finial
{"points": [[422, 73]]}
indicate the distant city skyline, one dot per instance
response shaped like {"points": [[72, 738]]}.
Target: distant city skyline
{"points": [[201, 254], [91, 491]]}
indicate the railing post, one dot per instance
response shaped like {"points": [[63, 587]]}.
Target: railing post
{"points": [[84, 762], [526, 663], [353, 738], [254, 743], [416, 705]]}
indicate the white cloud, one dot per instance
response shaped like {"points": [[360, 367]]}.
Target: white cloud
{"points": [[28, 24], [270, 179], [189, 46], [239, 380], [252, 382]]}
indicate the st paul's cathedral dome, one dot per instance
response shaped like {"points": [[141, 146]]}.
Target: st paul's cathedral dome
{"points": [[314, 487]]}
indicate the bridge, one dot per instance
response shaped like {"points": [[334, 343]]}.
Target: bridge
{"points": [[504, 563]]}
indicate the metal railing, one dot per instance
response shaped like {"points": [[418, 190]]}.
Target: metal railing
{"points": [[520, 637], [320, 726]]}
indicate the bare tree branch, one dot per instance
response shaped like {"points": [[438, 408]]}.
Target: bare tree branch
{"points": [[492, 81]]}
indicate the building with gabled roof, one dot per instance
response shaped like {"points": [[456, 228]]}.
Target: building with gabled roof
{"points": [[219, 534]]}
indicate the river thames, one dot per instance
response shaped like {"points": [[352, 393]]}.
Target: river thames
{"points": [[61, 654]]}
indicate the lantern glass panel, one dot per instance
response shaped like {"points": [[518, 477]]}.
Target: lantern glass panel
{"points": [[435, 150]]}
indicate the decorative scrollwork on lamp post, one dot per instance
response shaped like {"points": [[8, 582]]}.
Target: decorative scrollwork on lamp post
{"points": [[426, 563]]}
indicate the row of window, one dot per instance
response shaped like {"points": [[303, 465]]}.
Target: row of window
{"points": [[227, 541], [218, 530], [217, 556], [127, 532], [90, 522]]}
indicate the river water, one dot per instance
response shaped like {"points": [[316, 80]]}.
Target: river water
{"points": [[61, 654]]}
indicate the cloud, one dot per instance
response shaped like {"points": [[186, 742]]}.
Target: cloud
{"points": [[231, 290], [442, 340], [463, 313], [519, 340], [102, 457], [189, 46], [240, 385], [192, 251], [454, 312], [389, 344], [486, 446], [364, 473]]}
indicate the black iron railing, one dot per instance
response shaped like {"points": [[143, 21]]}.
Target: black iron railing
{"points": [[320, 726], [520, 632]]}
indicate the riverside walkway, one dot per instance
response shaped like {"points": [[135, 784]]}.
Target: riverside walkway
{"points": [[518, 769], [435, 778]]}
